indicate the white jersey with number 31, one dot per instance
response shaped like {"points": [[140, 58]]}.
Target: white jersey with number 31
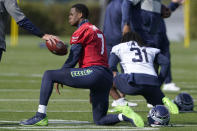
{"points": [[136, 59]]}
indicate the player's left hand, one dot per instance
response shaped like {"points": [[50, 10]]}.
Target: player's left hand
{"points": [[57, 87]]}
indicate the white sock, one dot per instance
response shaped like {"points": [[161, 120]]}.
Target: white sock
{"points": [[120, 117], [42, 109], [120, 100]]}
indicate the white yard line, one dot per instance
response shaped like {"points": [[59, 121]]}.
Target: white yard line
{"points": [[85, 125], [23, 75], [20, 81], [36, 100], [102, 129], [19, 90], [85, 90], [55, 100], [59, 100], [36, 90], [59, 111]]}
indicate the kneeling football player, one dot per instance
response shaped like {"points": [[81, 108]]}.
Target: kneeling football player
{"points": [[88, 48], [140, 77]]}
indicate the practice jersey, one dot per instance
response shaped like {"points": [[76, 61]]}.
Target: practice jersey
{"points": [[93, 45], [136, 59]]}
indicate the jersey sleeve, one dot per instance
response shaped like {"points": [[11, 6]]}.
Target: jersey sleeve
{"points": [[13, 9], [115, 50], [154, 50], [80, 36]]}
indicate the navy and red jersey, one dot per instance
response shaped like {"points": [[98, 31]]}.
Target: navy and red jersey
{"points": [[93, 45]]}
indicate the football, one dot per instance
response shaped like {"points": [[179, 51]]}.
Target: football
{"points": [[58, 48]]}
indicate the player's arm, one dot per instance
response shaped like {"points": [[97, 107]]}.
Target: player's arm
{"points": [[174, 4], [13, 9], [164, 63], [113, 62], [73, 57], [126, 7]]}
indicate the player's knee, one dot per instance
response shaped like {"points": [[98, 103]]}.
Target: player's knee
{"points": [[47, 75]]}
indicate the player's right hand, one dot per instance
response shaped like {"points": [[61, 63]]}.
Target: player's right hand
{"points": [[50, 38], [57, 87], [126, 29]]}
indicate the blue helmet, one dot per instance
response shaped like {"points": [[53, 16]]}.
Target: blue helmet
{"points": [[158, 116], [184, 101]]}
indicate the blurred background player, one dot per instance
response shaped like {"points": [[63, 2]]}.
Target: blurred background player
{"points": [[89, 50], [140, 77], [164, 46], [113, 33], [144, 18], [10, 7]]}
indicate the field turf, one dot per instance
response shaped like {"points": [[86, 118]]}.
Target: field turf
{"points": [[21, 72]]}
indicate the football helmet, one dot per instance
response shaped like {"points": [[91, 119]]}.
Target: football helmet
{"points": [[184, 101], [158, 116]]}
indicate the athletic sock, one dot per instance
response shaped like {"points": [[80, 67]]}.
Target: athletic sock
{"points": [[120, 117], [42, 109]]}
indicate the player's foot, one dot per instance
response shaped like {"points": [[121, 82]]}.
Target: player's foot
{"points": [[149, 105], [116, 109], [170, 87], [122, 102], [131, 116], [170, 105], [39, 119]]}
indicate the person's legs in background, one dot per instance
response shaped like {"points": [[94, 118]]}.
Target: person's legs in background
{"points": [[165, 49], [1, 53]]}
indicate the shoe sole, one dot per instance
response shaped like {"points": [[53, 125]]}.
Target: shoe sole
{"points": [[43, 122]]}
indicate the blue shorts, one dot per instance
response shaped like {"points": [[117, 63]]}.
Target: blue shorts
{"points": [[152, 94]]}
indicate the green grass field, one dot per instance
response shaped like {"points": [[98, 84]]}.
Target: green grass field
{"points": [[21, 72]]}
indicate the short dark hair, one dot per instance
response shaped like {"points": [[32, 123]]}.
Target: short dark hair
{"points": [[132, 36], [82, 9]]}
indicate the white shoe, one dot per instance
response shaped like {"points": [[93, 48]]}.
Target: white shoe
{"points": [[170, 87], [123, 102], [149, 105]]}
